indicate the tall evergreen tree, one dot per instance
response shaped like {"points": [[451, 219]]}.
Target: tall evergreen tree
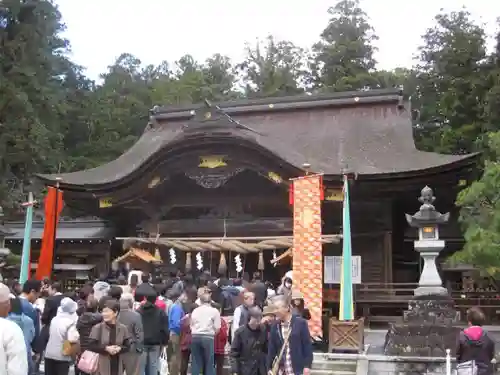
{"points": [[344, 56], [33, 68], [451, 84]]}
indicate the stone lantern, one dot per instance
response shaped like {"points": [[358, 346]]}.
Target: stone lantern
{"points": [[428, 326], [427, 220]]}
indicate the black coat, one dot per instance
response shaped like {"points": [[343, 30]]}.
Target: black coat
{"points": [[249, 351], [50, 309], [475, 344], [84, 326]]}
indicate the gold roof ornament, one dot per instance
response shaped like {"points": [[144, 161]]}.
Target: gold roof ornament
{"points": [[212, 162], [274, 177], [334, 195], [105, 203]]}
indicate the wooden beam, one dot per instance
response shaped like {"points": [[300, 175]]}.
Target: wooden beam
{"points": [[204, 199], [286, 254]]}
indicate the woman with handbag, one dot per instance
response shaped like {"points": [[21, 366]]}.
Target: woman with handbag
{"points": [[63, 339], [109, 339], [87, 320]]}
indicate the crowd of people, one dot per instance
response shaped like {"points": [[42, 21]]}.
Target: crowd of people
{"points": [[143, 326], [151, 327]]}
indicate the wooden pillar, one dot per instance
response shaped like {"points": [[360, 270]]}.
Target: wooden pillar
{"points": [[388, 257], [307, 247]]}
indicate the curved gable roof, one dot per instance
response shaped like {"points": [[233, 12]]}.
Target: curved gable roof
{"points": [[368, 133]]}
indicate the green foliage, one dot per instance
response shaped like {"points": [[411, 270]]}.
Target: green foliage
{"points": [[451, 84], [480, 216], [344, 56], [274, 69]]}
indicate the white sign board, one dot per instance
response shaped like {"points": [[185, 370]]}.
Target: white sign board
{"points": [[333, 269]]}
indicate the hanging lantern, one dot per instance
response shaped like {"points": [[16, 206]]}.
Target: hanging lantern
{"points": [[260, 265], [188, 261]]}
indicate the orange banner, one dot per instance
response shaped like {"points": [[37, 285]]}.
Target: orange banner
{"points": [[307, 247], [53, 206]]}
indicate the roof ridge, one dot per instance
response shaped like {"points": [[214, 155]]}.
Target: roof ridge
{"points": [[291, 99]]}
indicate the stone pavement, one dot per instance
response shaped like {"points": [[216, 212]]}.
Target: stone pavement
{"points": [[375, 338]]}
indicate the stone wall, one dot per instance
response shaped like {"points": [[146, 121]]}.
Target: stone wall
{"points": [[386, 365]]}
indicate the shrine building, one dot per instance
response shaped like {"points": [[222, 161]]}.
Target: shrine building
{"points": [[212, 181]]}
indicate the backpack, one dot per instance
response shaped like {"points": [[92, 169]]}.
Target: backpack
{"points": [[229, 303], [156, 330]]}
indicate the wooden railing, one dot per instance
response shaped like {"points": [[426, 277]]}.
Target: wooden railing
{"points": [[374, 292], [398, 295]]}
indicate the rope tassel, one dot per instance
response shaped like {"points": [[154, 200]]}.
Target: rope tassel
{"points": [[222, 264], [260, 265]]}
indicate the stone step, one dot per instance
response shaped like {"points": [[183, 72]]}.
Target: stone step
{"points": [[337, 365], [332, 372], [323, 367]]}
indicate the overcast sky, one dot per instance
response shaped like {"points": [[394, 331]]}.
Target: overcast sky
{"points": [[156, 30]]}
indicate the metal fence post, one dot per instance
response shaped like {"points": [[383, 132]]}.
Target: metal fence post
{"points": [[448, 362]]}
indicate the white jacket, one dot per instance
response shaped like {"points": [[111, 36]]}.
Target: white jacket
{"points": [[13, 355], [62, 328]]}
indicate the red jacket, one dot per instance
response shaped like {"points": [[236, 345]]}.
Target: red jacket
{"points": [[221, 338], [186, 333]]}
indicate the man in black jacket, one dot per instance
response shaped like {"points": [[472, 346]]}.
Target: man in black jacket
{"points": [[249, 347], [52, 303], [156, 334]]}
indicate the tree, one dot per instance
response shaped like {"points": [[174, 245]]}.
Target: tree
{"points": [[491, 107], [480, 216], [273, 68], [451, 79], [343, 58], [219, 78], [33, 67]]}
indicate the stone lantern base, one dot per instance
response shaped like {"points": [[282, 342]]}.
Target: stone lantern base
{"points": [[428, 328]]}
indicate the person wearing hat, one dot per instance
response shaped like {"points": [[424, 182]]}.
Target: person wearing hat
{"points": [[268, 314], [268, 317], [11, 339], [249, 347], [298, 307], [62, 328]]}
